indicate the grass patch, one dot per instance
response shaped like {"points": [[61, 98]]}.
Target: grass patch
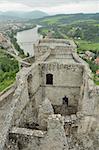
{"points": [[5, 84], [96, 79], [97, 82]]}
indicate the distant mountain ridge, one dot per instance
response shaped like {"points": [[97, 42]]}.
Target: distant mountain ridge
{"points": [[24, 15], [63, 19]]}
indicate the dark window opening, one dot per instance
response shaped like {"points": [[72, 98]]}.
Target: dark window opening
{"points": [[29, 80], [49, 79], [65, 100]]}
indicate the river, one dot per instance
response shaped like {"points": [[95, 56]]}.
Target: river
{"points": [[27, 38]]}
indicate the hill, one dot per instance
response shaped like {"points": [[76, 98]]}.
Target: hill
{"points": [[23, 15], [76, 26], [63, 19], [7, 18]]}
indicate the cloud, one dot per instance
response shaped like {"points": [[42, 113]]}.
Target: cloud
{"points": [[50, 3], [74, 8], [53, 6], [7, 6]]}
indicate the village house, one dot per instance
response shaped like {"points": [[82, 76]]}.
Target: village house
{"points": [[89, 55], [97, 61], [97, 72]]}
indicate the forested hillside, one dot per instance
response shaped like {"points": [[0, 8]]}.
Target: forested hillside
{"points": [[62, 19], [8, 69]]}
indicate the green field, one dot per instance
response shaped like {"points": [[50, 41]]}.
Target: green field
{"points": [[87, 46], [54, 20]]}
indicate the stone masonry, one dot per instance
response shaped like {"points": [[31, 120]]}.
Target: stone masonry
{"points": [[54, 104]]}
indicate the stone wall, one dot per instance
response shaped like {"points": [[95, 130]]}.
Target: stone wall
{"points": [[7, 95], [63, 74], [55, 94], [40, 50], [67, 80], [24, 139], [52, 139], [55, 138], [46, 40], [20, 100], [5, 100], [33, 80], [72, 80], [55, 46], [30, 96], [96, 110], [89, 101], [61, 50], [89, 91]]}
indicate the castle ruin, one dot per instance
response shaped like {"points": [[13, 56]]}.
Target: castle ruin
{"points": [[54, 104]]}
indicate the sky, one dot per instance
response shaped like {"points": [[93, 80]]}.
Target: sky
{"points": [[51, 6]]}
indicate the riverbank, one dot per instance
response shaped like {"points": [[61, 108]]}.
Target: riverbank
{"points": [[9, 64], [26, 39], [12, 34], [23, 29]]}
